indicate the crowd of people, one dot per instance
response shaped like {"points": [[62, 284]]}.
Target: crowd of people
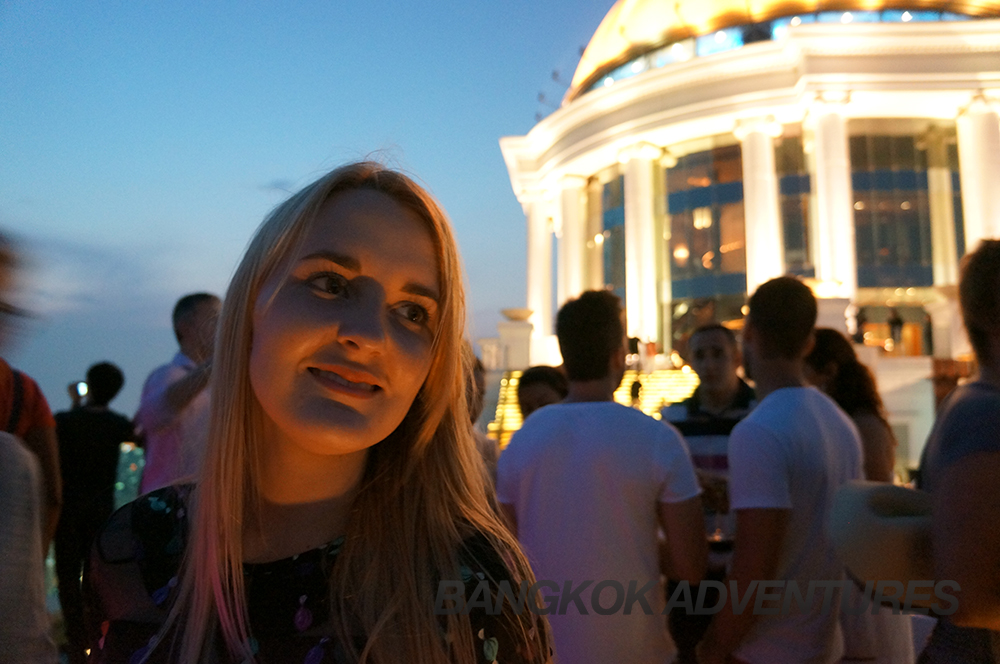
{"points": [[314, 478]]}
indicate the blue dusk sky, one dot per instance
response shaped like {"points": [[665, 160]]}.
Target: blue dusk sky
{"points": [[141, 143]]}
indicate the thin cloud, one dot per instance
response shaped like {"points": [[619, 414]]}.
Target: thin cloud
{"points": [[281, 185]]}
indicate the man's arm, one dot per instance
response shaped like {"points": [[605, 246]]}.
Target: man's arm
{"points": [[43, 444], [161, 405], [686, 549], [759, 534], [966, 542]]}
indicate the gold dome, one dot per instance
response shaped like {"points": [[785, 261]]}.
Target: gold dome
{"points": [[634, 27]]}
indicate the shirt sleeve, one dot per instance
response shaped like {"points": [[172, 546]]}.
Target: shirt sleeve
{"points": [[679, 481], [759, 476]]}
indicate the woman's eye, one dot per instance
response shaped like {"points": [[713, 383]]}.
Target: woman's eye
{"points": [[413, 313], [334, 284]]}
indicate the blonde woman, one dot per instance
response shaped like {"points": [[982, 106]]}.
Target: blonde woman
{"points": [[341, 483]]}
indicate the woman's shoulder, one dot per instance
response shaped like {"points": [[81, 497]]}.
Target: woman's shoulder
{"points": [[137, 554]]}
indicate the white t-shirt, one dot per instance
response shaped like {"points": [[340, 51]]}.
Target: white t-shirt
{"points": [[793, 452], [585, 480]]}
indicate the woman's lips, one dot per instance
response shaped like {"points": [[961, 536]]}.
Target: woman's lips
{"points": [[336, 382]]}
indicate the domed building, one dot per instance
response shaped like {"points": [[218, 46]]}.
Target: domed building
{"points": [[706, 146]]}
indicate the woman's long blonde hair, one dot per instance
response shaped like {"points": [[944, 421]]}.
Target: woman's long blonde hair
{"points": [[421, 496]]}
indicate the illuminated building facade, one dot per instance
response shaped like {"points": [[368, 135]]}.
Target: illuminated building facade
{"points": [[706, 146]]}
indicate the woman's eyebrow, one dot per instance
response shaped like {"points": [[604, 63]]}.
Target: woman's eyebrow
{"points": [[342, 260], [423, 291]]}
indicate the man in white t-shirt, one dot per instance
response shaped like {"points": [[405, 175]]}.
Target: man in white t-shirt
{"points": [[585, 484], [787, 458], [173, 409]]}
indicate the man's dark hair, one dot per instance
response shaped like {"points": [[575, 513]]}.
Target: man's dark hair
{"points": [[543, 375], [716, 327], [590, 330], [103, 382], [783, 312], [979, 294], [187, 305]]}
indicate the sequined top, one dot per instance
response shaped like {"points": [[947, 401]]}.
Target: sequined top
{"points": [[134, 575]]}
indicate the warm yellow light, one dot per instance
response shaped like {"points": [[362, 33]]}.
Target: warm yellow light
{"points": [[905, 205], [702, 217], [599, 238], [859, 205], [681, 253], [706, 259]]}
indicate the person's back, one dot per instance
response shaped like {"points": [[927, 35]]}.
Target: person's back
{"points": [[585, 484], [89, 439], [592, 475], [793, 452], [959, 468], [89, 442]]}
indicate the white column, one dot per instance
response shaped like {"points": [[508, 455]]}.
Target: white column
{"points": [[667, 161], [640, 251], [979, 161], [835, 256], [940, 200], [762, 214], [539, 266], [572, 240]]}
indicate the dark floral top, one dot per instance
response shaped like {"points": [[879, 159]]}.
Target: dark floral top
{"points": [[134, 573]]}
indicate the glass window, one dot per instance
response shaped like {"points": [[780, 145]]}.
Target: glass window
{"points": [[794, 192], [717, 42], [707, 249], [891, 211], [613, 215]]}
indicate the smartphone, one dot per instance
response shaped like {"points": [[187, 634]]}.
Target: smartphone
{"points": [[81, 388]]}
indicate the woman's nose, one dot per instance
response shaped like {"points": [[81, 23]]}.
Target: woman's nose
{"points": [[363, 322]]}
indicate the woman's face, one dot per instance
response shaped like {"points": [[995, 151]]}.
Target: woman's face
{"points": [[342, 333]]}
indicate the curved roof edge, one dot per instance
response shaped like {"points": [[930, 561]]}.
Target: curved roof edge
{"points": [[634, 27]]}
